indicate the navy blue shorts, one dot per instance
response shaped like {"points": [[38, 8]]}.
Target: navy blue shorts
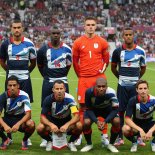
{"points": [[145, 125], [47, 89], [100, 113], [59, 122], [124, 93], [11, 121]]}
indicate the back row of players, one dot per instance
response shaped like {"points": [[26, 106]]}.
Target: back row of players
{"points": [[97, 102]]}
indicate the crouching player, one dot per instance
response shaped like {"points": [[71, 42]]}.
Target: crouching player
{"points": [[102, 107], [17, 113], [139, 116], [56, 116]]}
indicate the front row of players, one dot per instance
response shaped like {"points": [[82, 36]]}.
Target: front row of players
{"points": [[60, 115]]}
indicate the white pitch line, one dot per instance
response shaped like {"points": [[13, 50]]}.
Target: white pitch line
{"points": [[151, 69]]}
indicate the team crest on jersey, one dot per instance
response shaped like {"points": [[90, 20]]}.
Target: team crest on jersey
{"points": [[136, 56], [19, 104], [25, 50], [64, 55], [65, 107], [95, 45]]}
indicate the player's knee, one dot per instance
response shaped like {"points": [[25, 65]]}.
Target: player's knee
{"points": [[30, 124], [116, 122], [79, 126], [126, 130], [87, 124], [40, 128]]}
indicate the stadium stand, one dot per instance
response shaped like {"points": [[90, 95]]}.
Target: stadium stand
{"points": [[39, 15]]}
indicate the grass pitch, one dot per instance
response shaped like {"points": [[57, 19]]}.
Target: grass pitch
{"points": [[36, 150]]}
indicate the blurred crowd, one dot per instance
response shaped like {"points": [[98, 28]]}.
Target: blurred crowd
{"points": [[39, 15], [141, 16]]}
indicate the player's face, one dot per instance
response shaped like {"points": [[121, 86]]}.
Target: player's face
{"points": [[59, 91], [128, 36], [90, 27], [55, 35], [13, 88], [101, 89], [17, 29], [142, 90]]}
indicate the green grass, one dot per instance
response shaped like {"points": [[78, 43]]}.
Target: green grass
{"points": [[37, 84]]}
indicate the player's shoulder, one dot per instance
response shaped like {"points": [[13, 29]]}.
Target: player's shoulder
{"points": [[23, 93], [110, 91], [5, 42], [66, 46], [28, 41], [152, 97], [140, 49], [79, 40], [69, 96]]}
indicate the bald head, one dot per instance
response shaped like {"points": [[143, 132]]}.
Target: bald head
{"points": [[101, 86], [101, 81]]}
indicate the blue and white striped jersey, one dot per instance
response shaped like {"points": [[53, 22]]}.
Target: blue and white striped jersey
{"points": [[53, 109], [15, 106], [18, 57], [129, 63], [140, 112], [54, 61], [108, 100]]}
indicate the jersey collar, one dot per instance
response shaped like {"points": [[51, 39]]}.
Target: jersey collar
{"points": [[8, 93], [50, 45], [148, 99], [124, 46], [12, 40]]}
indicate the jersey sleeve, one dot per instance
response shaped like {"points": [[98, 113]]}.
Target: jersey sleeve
{"points": [[114, 100], [33, 54], [75, 49], [69, 57], [46, 106], [27, 106], [115, 56], [40, 60], [3, 50], [2, 101], [130, 107], [74, 109], [143, 59]]}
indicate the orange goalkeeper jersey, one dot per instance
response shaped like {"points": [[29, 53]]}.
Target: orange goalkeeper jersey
{"points": [[91, 53]]}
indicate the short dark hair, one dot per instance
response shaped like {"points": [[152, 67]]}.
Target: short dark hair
{"points": [[141, 82], [90, 18], [127, 28], [16, 20], [13, 78], [59, 82]]}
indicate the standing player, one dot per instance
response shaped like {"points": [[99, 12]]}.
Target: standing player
{"points": [[54, 61], [59, 115], [90, 59], [102, 107], [18, 57], [128, 65], [17, 113], [139, 116]]}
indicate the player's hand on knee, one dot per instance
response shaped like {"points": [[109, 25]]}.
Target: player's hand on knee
{"points": [[7, 129], [148, 135], [54, 128], [143, 134], [64, 128], [15, 127]]}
